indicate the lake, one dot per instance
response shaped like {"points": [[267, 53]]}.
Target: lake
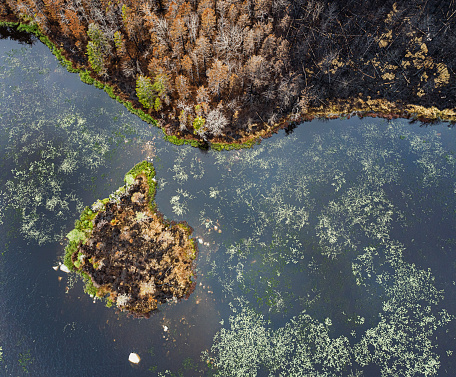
{"points": [[327, 251]]}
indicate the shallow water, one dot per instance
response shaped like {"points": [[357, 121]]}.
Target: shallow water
{"points": [[329, 251]]}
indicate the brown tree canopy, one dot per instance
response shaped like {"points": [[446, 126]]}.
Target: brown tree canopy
{"points": [[255, 61]]}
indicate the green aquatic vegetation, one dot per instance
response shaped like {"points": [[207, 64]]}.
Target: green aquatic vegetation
{"points": [[25, 360], [401, 341], [182, 173], [302, 347], [179, 207], [360, 209], [338, 209], [48, 144]]}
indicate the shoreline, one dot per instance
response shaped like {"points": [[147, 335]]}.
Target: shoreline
{"points": [[334, 109]]}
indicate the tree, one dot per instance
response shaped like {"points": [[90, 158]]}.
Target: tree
{"points": [[145, 91], [256, 69], [96, 60], [201, 53], [149, 93], [98, 48], [228, 43], [262, 9], [198, 126], [216, 122], [178, 33], [182, 87], [187, 66], [75, 25], [202, 95], [193, 25], [208, 21], [119, 42], [205, 4], [217, 77]]}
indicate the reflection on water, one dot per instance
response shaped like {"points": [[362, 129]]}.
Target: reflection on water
{"points": [[325, 252]]}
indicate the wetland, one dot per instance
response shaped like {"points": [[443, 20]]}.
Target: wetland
{"points": [[328, 250]]}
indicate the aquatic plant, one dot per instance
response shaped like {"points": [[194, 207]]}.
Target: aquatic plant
{"points": [[302, 234], [51, 149]]}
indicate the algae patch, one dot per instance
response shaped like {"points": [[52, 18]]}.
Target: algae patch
{"points": [[127, 252]]}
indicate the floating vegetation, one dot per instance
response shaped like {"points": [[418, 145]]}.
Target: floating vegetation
{"points": [[128, 253], [44, 150], [356, 179], [325, 241]]}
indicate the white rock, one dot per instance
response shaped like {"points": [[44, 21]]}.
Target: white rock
{"points": [[64, 268], [55, 268], [165, 328], [200, 240], [134, 358]]}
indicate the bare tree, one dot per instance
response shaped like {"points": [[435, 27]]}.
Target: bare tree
{"points": [[216, 122]]}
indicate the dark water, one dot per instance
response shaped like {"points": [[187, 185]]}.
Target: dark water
{"points": [[330, 251]]}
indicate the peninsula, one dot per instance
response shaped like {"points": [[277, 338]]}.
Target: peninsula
{"points": [[226, 72]]}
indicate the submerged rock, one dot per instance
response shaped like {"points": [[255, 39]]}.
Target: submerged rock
{"points": [[128, 253]]}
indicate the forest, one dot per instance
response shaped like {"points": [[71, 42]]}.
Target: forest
{"points": [[227, 70]]}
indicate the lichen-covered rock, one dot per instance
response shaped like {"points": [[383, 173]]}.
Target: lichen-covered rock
{"points": [[129, 253]]}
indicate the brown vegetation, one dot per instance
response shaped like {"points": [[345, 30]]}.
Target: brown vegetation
{"points": [[224, 70], [134, 256]]}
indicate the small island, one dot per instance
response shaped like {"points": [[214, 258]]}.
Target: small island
{"points": [[128, 253]]}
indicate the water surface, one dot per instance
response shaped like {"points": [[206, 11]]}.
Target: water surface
{"points": [[329, 251]]}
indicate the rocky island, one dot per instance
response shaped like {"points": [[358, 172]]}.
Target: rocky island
{"points": [[128, 253]]}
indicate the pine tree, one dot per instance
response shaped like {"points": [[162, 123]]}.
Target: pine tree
{"points": [[182, 87], [98, 48], [149, 93], [145, 91], [208, 21]]}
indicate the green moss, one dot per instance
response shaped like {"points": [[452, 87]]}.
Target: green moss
{"points": [[86, 78], [175, 140], [148, 169], [178, 141], [89, 288], [98, 84], [110, 91], [232, 146], [82, 229]]}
